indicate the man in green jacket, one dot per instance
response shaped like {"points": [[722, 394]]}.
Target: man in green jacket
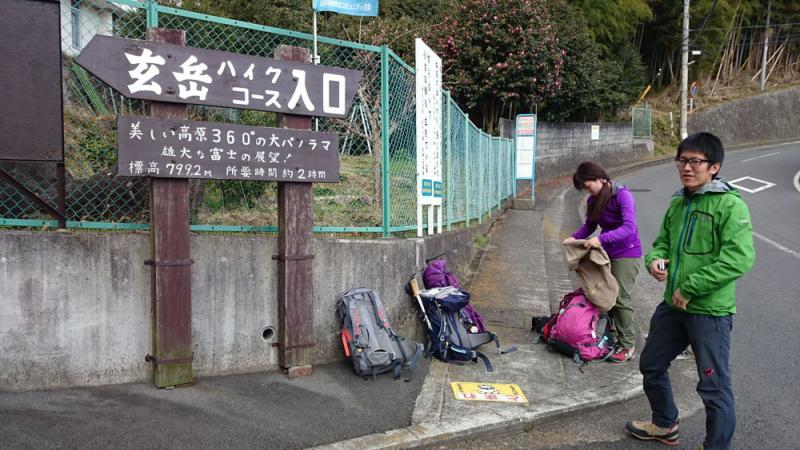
{"points": [[704, 245]]}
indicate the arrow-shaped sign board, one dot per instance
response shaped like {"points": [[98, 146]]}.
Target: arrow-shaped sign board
{"points": [[172, 73]]}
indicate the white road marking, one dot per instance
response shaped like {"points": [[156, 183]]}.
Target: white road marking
{"points": [[762, 156], [797, 181], [776, 245], [765, 184]]}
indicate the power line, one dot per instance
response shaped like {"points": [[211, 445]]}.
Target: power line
{"points": [[705, 20], [776, 25]]}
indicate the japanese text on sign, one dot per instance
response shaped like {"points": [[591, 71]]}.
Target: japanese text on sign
{"points": [[173, 73], [190, 149], [429, 125], [488, 392], [525, 141], [351, 7]]}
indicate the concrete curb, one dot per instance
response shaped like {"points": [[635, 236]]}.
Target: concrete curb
{"points": [[503, 421]]}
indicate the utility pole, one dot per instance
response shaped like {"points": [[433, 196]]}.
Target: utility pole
{"points": [[684, 68], [766, 48]]}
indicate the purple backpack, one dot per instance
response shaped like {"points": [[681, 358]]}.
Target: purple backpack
{"points": [[436, 275], [579, 329]]}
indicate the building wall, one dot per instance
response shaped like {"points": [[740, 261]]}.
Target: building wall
{"points": [[94, 17]]}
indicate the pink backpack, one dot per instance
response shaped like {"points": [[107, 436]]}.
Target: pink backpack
{"points": [[579, 329]]}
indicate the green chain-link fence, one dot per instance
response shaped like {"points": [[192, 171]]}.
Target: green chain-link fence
{"points": [[641, 121], [377, 191]]}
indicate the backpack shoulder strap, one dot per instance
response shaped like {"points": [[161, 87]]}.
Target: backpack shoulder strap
{"points": [[485, 359], [380, 313]]}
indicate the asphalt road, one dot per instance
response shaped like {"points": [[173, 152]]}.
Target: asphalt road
{"points": [[766, 370]]}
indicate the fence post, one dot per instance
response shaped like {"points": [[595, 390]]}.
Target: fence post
{"points": [[512, 170], [466, 167], [152, 13], [489, 187], [481, 163], [385, 181], [633, 122], [449, 170], [499, 154]]}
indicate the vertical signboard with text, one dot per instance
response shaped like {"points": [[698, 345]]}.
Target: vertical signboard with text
{"points": [[429, 133], [525, 143]]}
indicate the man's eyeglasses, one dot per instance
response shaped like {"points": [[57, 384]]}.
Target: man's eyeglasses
{"points": [[694, 162]]}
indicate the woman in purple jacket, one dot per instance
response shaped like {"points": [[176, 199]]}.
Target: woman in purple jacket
{"points": [[611, 206]]}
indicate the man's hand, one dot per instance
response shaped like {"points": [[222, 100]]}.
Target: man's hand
{"points": [[568, 240], [678, 300], [593, 243], [657, 273]]}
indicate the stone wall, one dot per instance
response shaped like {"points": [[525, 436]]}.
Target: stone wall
{"points": [[766, 118], [75, 306], [560, 147]]}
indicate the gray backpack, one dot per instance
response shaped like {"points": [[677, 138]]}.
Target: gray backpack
{"points": [[369, 340]]}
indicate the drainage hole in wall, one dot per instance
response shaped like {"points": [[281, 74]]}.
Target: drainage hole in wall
{"points": [[267, 333]]}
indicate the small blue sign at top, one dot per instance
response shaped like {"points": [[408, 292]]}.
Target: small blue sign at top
{"points": [[349, 7]]}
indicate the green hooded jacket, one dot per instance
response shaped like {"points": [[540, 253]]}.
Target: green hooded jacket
{"points": [[708, 239]]}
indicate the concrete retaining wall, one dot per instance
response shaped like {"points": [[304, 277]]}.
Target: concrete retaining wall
{"points": [[75, 307], [771, 117], [560, 147]]}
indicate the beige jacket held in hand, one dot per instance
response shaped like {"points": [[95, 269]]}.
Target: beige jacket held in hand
{"points": [[594, 272]]}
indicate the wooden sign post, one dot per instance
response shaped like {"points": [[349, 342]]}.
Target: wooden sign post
{"points": [[295, 234], [171, 277], [173, 149]]}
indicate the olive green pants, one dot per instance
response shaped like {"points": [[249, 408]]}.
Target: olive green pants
{"points": [[625, 271]]}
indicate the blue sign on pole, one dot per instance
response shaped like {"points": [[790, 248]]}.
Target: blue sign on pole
{"points": [[349, 7]]}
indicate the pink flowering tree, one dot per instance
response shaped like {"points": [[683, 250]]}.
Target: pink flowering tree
{"points": [[499, 58]]}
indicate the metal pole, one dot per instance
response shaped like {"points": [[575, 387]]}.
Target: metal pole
{"points": [[449, 169], [152, 14], [466, 167], [514, 163], [315, 60], [766, 48], [481, 164], [684, 68], [385, 182], [533, 160]]}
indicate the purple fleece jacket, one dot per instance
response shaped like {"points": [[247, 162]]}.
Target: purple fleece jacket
{"points": [[619, 235]]}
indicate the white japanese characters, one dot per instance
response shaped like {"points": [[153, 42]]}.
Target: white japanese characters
{"points": [[244, 87], [144, 71], [152, 147]]}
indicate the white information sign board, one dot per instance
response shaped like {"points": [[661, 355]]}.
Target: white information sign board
{"points": [[429, 134], [595, 132], [525, 140], [429, 125]]}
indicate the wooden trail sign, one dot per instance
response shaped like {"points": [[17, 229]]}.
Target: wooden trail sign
{"points": [[174, 148], [172, 73]]}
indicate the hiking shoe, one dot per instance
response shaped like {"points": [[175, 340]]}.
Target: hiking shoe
{"points": [[647, 431], [622, 355]]}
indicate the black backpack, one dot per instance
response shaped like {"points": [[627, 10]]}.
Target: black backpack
{"points": [[369, 340], [448, 338]]}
